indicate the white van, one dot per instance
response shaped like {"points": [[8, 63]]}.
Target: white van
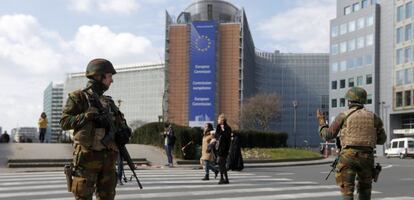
{"points": [[401, 147]]}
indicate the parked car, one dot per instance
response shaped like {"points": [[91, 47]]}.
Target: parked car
{"points": [[400, 147]]}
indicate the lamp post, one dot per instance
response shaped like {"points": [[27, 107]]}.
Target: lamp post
{"points": [[295, 106]]}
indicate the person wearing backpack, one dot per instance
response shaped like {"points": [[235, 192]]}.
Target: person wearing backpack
{"points": [[169, 141]]}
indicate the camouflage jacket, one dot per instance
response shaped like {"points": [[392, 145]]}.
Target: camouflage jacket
{"points": [[331, 132], [74, 117]]}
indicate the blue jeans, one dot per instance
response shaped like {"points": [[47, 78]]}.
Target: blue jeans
{"points": [[168, 151], [208, 166]]}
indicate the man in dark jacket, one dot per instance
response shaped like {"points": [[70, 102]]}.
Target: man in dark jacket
{"points": [[235, 159], [223, 134], [169, 141]]}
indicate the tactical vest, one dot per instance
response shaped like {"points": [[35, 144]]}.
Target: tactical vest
{"points": [[89, 136], [359, 129]]}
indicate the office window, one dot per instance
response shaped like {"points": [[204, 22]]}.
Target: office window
{"points": [[351, 45], [398, 99], [408, 54], [360, 23], [408, 76], [350, 64], [351, 82], [342, 66], [400, 13], [334, 67], [369, 79], [364, 3], [369, 99], [210, 11], [368, 59], [342, 102], [409, 9], [359, 61], [342, 47], [408, 32], [360, 42], [334, 49], [400, 56], [334, 103], [342, 29], [370, 39], [400, 34], [334, 85], [342, 83], [351, 26], [399, 77], [334, 31], [407, 98], [356, 6], [360, 80], [347, 10], [370, 20]]}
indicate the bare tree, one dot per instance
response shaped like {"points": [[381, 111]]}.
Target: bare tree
{"points": [[258, 111]]}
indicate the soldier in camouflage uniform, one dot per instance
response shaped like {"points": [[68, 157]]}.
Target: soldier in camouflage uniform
{"points": [[359, 131], [94, 162]]}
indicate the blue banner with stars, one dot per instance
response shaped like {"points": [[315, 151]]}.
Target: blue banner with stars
{"points": [[202, 74]]}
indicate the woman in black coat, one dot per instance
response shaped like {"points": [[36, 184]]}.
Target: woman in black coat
{"points": [[235, 159], [223, 135]]}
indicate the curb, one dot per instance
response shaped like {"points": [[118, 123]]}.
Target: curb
{"points": [[193, 162], [37, 163]]}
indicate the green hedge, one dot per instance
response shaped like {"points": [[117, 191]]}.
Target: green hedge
{"points": [[150, 134]]}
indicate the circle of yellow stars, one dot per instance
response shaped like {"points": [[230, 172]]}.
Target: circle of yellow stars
{"points": [[200, 38]]}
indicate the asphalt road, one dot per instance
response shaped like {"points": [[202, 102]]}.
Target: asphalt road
{"points": [[301, 182]]}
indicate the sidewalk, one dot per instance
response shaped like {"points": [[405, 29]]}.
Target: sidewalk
{"points": [[37, 156]]}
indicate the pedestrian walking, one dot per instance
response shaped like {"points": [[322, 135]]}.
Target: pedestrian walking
{"points": [[360, 131], [169, 141], [93, 116], [207, 155], [5, 138], [235, 159], [42, 122], [223, 135]]}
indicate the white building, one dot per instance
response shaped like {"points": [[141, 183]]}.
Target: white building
{"points": [[25, 134], [138, 89]]}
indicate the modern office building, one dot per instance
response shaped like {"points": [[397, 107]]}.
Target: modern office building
{"points": [[137, 89], [52, 106], [212, 66], [388, 76], [300, 80]]}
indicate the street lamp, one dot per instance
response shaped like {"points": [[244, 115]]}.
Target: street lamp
{"points": [[295, 106]]}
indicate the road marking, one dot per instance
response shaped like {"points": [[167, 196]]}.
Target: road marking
{"points": [[396, 198], [388, 166], [217, 192], [284, 174]]}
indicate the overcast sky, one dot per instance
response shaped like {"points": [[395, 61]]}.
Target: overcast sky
{"points": [[42, 40]]}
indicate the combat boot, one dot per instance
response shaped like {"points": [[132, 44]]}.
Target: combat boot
{"points": [[226, 181]]}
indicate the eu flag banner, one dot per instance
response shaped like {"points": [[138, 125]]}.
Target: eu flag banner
{"points": [[202, 75]]}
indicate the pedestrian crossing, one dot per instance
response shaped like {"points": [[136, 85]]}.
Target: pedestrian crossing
{"points": [[174, 183]]}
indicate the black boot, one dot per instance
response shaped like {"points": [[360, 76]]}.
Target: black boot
{"points": [[227, 178], [222, 181], [215, 174], [206, 178]]}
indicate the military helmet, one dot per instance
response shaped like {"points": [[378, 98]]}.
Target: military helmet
{"points": [[99, 66], [356, 94]]}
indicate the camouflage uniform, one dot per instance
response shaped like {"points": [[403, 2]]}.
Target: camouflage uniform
{"points": [[359, 130], [94, 163]]}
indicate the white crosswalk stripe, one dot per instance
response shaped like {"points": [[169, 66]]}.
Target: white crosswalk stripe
{"points": [[175, 184]]}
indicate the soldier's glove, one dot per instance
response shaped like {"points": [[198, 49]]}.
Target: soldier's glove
{"points": [[100, 121], [321, 118], [122, 136]]}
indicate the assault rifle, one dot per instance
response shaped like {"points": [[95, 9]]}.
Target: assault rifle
{"points": [[335, 162], [111, 134]]}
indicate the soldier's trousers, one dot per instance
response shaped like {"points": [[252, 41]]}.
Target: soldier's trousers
{"points": [[355, 164], [94, 172]]}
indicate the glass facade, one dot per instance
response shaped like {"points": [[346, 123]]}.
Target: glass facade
{"points": [[138, 89], [296, 77], [52, 106]]}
